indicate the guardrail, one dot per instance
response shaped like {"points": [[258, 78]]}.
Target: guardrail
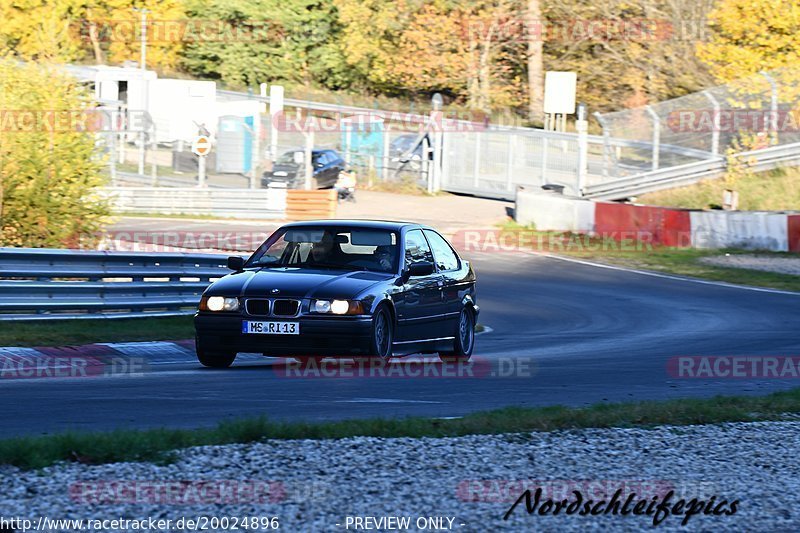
{"points": [[46, 284], [681, 175], [267, 203]]}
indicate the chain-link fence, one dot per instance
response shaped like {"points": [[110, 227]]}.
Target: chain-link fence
{"points": [[496, 161], [747, 114]]}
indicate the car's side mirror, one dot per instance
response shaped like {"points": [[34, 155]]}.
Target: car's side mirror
{"points": [[423, 268], [236, 263], [415, 270]]}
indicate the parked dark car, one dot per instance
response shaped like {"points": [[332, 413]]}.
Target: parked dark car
{"points": [[290, 169], [411, 149], [341, 288]]}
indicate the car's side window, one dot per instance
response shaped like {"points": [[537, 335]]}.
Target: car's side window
{"points": [[444, 256], [417, 249]]}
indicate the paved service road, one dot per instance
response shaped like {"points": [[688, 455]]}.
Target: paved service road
{"points": [[593, 334]]}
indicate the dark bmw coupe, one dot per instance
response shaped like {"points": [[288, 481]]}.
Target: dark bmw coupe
{"points": [[341, 288]]}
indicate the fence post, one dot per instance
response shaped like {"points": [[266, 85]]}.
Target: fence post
{"points": [[386, 157], [309, 165], [510, 161], [112, 159], [606, 143], [773, 108], [656, 135], [445, 159], [582, 126], [477, 160], [716, 124]]}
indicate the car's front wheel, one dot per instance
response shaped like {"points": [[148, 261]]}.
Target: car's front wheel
{"points": [[464, 341], [213, 359], [382, 334]]}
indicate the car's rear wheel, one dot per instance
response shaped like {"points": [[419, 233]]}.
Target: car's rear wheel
{"points": [[464, 341], [214, 359], [382, 334]]}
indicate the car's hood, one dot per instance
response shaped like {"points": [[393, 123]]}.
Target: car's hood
{"points": [[297, 283]]}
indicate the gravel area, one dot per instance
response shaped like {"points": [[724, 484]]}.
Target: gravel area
{"points": [[315, 485], [781, 265]]}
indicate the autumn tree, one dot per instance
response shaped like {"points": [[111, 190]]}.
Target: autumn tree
{"points": [[101, 31], [627, 54], [748, 36]]}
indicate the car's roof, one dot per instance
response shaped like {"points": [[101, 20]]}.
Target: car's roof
{"points": [[391, 225]]}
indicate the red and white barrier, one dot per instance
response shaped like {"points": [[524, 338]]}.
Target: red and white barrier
{"points": [[665, 226]]}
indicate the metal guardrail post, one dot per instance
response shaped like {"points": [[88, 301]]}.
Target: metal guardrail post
{"points": [[716, 123], [656, 135]]}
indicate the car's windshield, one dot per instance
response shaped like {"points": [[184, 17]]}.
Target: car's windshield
{"points": [[329, 247], [288, 158]]}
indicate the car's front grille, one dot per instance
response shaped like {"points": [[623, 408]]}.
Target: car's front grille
{"points": [[285, 307], [255, 306]]}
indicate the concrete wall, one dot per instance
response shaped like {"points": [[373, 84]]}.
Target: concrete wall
{"points": [[551, 211], [740, 229]]}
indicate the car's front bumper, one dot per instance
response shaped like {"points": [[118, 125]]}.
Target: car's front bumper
{"points": [[319, 335]]}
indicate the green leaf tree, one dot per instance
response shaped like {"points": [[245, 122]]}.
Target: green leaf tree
{"points": [[49, 170]]}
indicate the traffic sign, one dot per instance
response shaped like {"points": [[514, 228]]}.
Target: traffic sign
{"points": [[201, 145]]}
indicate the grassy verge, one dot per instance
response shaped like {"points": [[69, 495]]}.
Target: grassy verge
{"points": [[645, 256], [775, 190], [72, 332], [157, 445]]}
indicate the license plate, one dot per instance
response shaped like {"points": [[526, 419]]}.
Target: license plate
{"points": [[271, 328]]}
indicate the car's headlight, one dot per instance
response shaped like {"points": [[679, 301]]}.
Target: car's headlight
{"points": [[338, 307], [219, 303]]}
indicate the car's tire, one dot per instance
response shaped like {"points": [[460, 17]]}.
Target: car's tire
{"points": [[464, 341], [215, 359], [382, 334]]}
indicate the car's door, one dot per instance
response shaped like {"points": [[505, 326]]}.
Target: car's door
{"points": [[328, 174], [453, 272], [318, 164], [419, 302]]}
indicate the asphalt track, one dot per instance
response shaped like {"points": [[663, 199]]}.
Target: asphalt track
{"points": [[576, 335]]}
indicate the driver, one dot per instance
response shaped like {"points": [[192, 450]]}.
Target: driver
{"points": [[322, 251], [384, 256]]}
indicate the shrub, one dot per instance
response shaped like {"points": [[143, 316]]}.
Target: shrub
{"points": [[49, 168]]}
